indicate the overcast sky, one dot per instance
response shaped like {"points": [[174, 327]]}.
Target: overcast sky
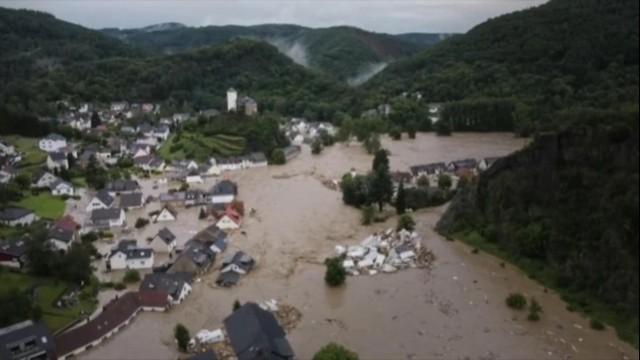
{"points": [[392, 16]]}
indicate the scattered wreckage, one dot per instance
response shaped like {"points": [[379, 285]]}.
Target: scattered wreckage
{"points": [[386, 252]]}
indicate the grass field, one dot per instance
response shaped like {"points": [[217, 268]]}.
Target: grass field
{"points": [[33, 156], [626, 327], [200, 147], [44, 205], [47, 292]]}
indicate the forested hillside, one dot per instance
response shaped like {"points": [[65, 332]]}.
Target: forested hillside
{"points": [[561, 54], [342, 52], [566, 210]]}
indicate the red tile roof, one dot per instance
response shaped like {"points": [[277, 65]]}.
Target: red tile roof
{"points": [[153, 298], [67, 223]]}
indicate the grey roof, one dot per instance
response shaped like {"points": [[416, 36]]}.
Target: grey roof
{"points": [[54, 136], [13, 247], [255, 334], [126, 244], [104, 196], [40, 173], [139, 253], [172, 283], [228, 279], [220, 244], [209, 235], [58, 182], [225, 187], [464, 164], [105, 214], [166, 235], [63, 235], [13, 213], [131, 200], [428, 168], [241, 259], [21, 333]]}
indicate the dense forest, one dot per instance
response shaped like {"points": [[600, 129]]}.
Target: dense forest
{"points": [[566, 209], [342, 52], [562, 54]]}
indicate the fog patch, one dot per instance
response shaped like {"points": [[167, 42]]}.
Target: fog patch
{"points": [[295, 50], [367, 72]]}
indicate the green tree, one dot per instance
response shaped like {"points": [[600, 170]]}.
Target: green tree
{"points": [[236, 305], [412, 128], [380, 184], [406, 222], [534, 310], [372, 144], [444, 182], [368, 214], [400, 204], [333, 351], [277, 157], [181, 334], [95, 174], [423, 181], [395, 133], [336, 273], [516, 301], [316, 146], [381, 158], [23, 181]]}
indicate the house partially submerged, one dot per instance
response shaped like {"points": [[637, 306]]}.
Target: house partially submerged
{"points": [[254, 333], [233, 267], [195, 258], [122, 186], [131, 200], [27, 340], [127, 255], [101, 200], [224, 192], [163, 242], [167, 213], [108, 218], [176, 285]]}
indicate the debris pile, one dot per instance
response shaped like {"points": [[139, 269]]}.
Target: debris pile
{"points": [[386, 252], [288, 316], [215, 340]]}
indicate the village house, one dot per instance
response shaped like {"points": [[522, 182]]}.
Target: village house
{"points": [[163, 242], [428, 169], [228, 163], [195, 197], [13, 253], [80, 123], [232, 100], [15, 216], [193, 178], [167, 213], [250, 105], [224, 192], [176, 285], [486, 163], [119, 106], [195, 258], [139, 150], [101, 200], [228, 216], [127, 255], [52, 143], [131, 200], [122, 186], [179, 118], [27, 340], [254, 333], [469, 164], [108, 218], [6, 149], [57, 161], [209, 113], [43, 179], [7, 173], [237, 264], [61, 188], [61, 239], [115, 316], [161, 132]]}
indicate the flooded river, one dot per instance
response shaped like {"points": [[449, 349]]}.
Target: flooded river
{"points": [[455, 310]]}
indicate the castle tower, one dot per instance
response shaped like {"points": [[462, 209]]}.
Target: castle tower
{"points": [[232, 100]]}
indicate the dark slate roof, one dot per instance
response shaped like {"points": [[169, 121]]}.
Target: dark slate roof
{"points": [[57, 156], [464, 164], [13, 247], [241, 259], [13, 213], [21, 333], [225, 187], [63, 235], [105, 214], [58, 182], [428, 168], [228, 279], [139, 253], [220, 244], [40, 173], [166, 235], [104, 197], [123, 185], [210, 234], [255, 334], [130, 200]]}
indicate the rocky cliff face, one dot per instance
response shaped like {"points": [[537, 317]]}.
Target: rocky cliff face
{"points": [[568, 202]]}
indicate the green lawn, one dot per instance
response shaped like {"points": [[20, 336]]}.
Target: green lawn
{"points": [[626, 327], [200, 147], [44, 205], [33, 156], [47, 292]]}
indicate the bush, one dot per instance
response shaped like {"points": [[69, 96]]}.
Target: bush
{"points": [[534, 310], [131, 276], [423, 181], [444, 182], [597, 325], [181, 334], [333, 351], [141, 222], [316, 146], [119, 286], [368, 214], [89, 237], [277, 157], [405, 221], [395, 133], [516, 301], [336, 274]]}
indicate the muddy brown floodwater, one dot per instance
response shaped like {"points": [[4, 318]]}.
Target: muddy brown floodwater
{"points": [[455, 310]]}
